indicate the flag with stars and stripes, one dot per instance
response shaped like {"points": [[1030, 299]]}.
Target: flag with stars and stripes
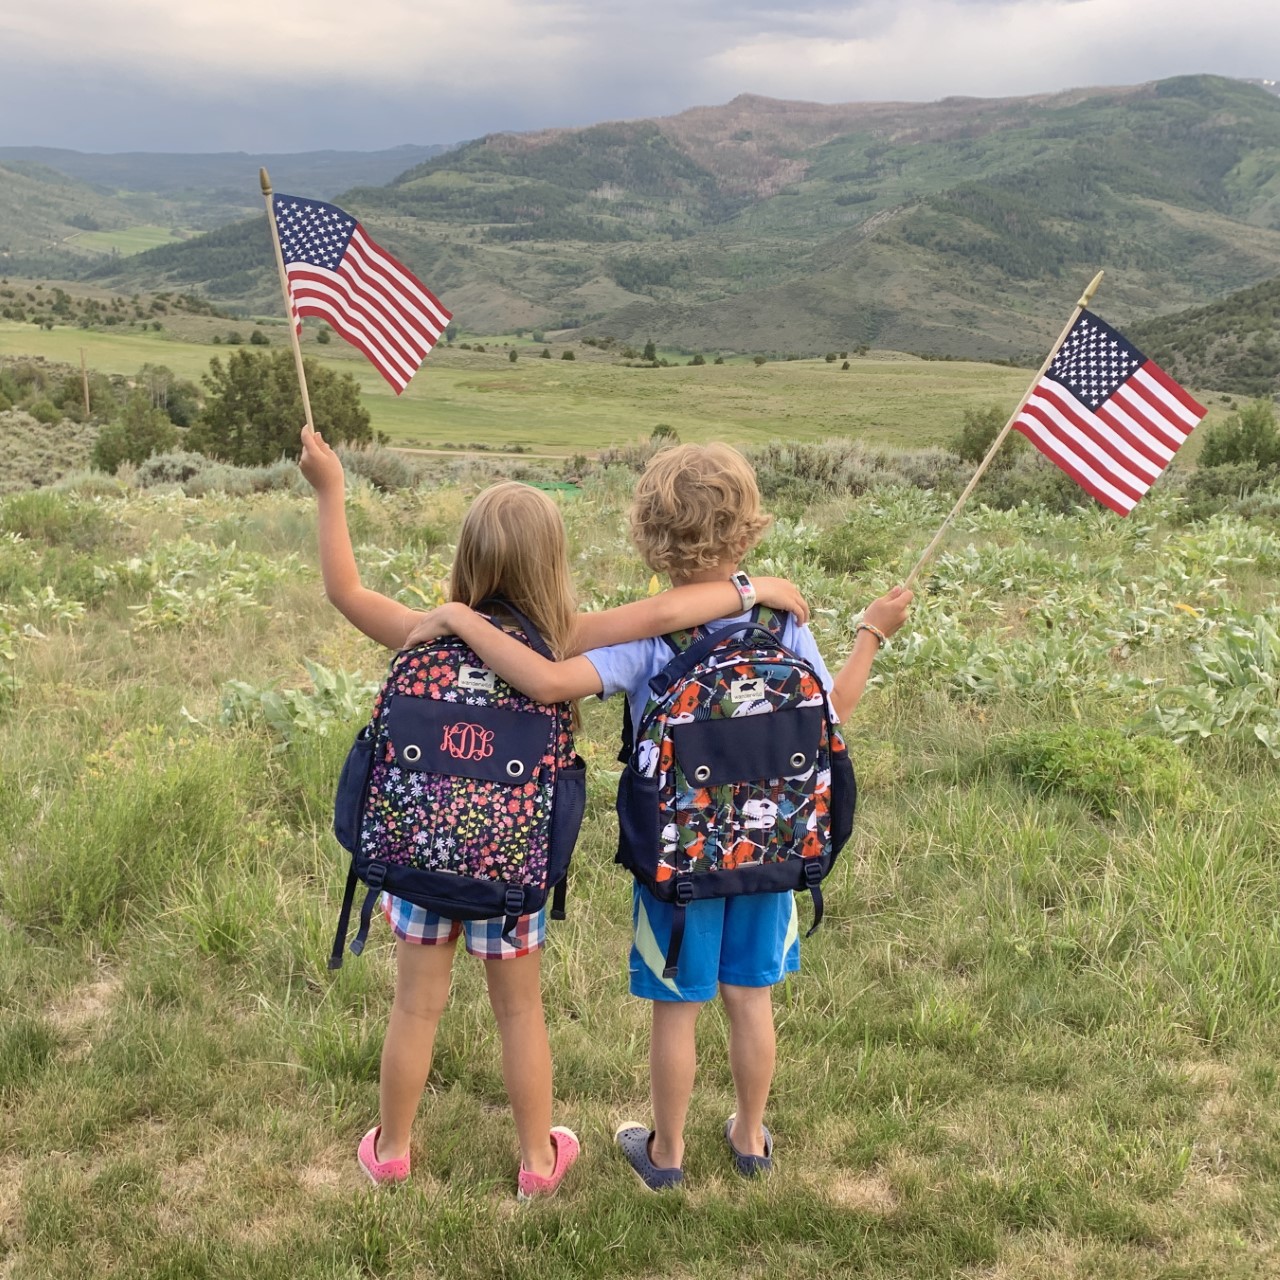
{"points": [[335, 271], [1108, 416]]}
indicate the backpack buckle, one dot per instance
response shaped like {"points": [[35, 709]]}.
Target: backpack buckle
{"points": [[514, 903], [684, 892], [375, 875], [812, 872]]}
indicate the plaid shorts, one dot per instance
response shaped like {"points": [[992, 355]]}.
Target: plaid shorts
{"points": [[484, 937]]}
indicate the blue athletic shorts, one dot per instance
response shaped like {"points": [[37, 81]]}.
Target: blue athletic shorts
{"points": [[752, 940]]}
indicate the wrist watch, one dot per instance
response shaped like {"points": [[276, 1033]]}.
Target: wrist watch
{"points": [[746, 589]]}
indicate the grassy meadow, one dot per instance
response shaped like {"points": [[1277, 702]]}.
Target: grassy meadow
{"points": [[1038, 1035], [125, 241], [563, 407]]}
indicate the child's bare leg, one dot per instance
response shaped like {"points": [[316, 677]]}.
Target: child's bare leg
{"points": [[422, 991], [752, 1049], [673, 1063], [515, 992]]}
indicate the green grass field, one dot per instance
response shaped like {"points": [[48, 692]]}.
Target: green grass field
{"points": [[125, 242], [1036, 1038], [592, 402]]}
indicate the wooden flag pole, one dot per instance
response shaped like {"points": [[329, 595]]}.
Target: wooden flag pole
{"points": [[1083, 302], [288, 303]]}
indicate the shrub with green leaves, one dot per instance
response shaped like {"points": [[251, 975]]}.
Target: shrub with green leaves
{"points": [[1106, 769], [1234, 690], [335, 699], [140, 432]]}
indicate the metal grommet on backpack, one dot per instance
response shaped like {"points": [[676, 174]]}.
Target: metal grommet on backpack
{"points": [[461, 795], [735, 780]]}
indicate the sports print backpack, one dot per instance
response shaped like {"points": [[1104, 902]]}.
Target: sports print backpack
{"points": [[736, 780], [461, 795]]}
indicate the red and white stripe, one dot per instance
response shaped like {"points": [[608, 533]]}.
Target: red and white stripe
{"points": [[376, 303], [1117, 451]]}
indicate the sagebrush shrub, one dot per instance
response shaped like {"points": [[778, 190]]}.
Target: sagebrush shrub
{"points": [[385, 469], [170, 468]]}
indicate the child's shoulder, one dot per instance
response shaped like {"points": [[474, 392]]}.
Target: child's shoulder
{"points": [[630, 665]]}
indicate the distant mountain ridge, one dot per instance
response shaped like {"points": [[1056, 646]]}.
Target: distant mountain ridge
{"points": [[50, 197], [964, 227], [322, 173]]}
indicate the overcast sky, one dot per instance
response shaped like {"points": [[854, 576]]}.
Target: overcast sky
{"points": [[292, 75]]}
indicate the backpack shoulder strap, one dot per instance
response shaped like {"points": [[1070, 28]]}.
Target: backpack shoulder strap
{"points": [[771, 620], [532, 637], [679, 641]]}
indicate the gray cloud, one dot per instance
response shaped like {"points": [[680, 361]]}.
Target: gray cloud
{"points": [[297, 74]]}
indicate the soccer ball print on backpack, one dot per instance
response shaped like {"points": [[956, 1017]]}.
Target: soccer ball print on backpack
{"points": [[461, 795], [736, 779]]}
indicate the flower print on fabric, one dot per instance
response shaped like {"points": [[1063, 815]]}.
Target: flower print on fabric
{"points": [[468, 826]]}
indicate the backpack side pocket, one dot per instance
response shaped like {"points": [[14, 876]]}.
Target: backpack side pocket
{"points": [[569, 806], [353, 785], [844, 800], [638, 833]]}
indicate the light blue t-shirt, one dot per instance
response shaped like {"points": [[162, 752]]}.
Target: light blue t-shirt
{"points": [[628, 668]]}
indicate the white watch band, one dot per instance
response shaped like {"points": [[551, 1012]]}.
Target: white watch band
{"points": [[746, 589]]}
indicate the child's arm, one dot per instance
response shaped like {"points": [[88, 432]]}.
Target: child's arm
{"points": [[382, 619], [541, 678], [680, 607], [886, 614]]}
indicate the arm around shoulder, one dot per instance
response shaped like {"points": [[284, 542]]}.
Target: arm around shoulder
{"points": [[522, 668]]}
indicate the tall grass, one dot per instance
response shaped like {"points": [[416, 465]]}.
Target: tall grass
{"points": [[1036, 1036]]}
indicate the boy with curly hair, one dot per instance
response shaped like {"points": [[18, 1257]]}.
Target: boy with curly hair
{"points": [[695, 515]]}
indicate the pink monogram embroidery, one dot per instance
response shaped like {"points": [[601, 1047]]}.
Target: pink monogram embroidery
{"points": [[467, 741]]}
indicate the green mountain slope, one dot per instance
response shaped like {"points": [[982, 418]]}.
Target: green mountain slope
{"points": [[1232, 345], [62, 209], [963, 227], [231, 173], [42, 212]]}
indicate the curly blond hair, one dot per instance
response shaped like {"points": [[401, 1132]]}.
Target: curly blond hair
{"points": [[696, 506]]}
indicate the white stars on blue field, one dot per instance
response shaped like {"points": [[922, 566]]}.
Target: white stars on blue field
{"points": [[312, 231], [1094, 361]]}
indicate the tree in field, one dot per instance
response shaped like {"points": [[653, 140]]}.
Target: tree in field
{"points": [[978, 432], [1248, 437], [178, 398], [253, 408], [650, 352], [513, 355], [140, 431]]}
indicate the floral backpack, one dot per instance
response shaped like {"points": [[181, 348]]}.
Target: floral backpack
{"points": [[736, 780], [461, 795]]}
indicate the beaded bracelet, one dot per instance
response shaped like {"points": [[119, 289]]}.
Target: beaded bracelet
{"points": [[875, 631]]}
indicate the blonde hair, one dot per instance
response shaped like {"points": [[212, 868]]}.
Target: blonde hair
{"points": [[696, 506], [512, 546]]}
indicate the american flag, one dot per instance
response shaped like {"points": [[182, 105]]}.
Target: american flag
{"points": [[1108, 416], [337, 272]]}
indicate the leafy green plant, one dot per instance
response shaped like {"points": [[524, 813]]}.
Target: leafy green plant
{"points": [[1234, 691], [1104, 768], [333, 701]]}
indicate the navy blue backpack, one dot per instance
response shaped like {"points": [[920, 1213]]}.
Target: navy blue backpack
{"points": [[461, 795]]}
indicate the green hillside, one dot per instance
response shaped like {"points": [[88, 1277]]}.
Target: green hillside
{"points": [[63, 211], [963, 227], [42, 213], [1233, 344]]}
